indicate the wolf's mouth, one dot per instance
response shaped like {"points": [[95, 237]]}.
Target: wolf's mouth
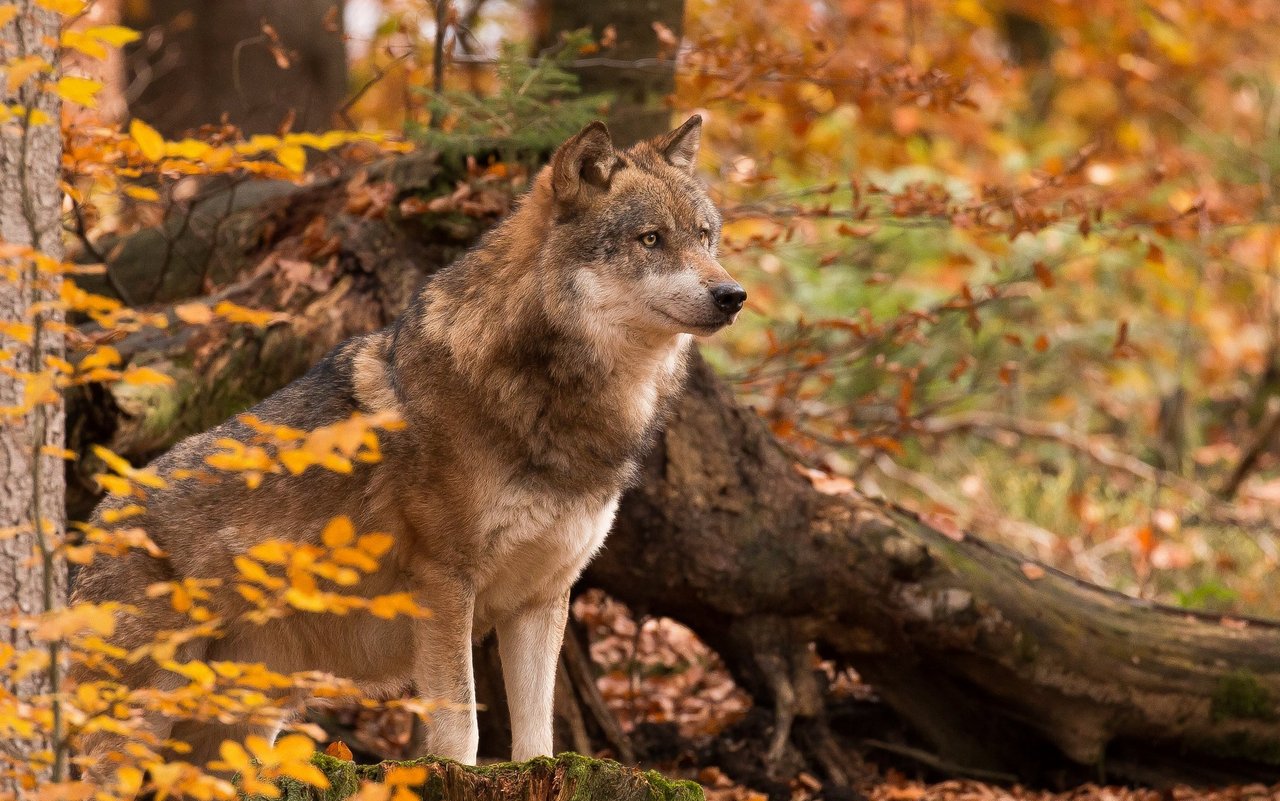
{"points": [[698, 328]]}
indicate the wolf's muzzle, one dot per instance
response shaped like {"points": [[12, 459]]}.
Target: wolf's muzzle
{"points": [[729, 297]]}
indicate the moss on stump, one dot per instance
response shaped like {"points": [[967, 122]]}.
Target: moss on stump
{"points": [[568, 777]]}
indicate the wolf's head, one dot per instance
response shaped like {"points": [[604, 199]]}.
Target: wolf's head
{"points": [[635, 233]]}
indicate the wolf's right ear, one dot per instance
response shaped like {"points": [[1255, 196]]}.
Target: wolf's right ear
{"points": [[585, 162]]}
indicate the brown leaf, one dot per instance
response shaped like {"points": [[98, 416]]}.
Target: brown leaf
{"points": [[666, 38], [338, 750]]}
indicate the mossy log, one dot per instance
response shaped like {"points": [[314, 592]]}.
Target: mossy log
{"points": [[997, 663], [568, 777]]}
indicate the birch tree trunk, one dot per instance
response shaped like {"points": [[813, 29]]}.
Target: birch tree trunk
{"points": [[31, 483]]}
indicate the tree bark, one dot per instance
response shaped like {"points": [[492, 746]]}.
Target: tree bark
{"points": [[253, 60], [31, 481], [997, 663]]}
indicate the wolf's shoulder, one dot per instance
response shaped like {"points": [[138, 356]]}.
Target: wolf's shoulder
{"points": [[352, 377]]}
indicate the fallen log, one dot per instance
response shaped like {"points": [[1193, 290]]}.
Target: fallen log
{"points": [[998, 663]]}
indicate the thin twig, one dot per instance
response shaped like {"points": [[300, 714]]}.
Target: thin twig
{"points": [[939, 764], [382, 72], [81, 231], [1266, 435]]}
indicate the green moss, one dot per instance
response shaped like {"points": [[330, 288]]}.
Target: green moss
{"points": [[1239, 695], [568, 777]]}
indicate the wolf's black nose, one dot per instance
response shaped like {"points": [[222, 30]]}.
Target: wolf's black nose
{"points": [[728, 297]]}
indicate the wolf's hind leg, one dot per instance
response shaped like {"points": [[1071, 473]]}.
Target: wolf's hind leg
{"points": [[529, 644]]}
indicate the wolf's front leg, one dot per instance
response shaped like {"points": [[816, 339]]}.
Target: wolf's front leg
{"points": [[443, 670], [529, 644]]}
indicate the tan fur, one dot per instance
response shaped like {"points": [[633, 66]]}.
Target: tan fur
{"points": [[531, 375]]}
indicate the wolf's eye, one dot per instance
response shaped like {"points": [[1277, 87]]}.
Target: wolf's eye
{"points": [[649, 240], [705, 237]]}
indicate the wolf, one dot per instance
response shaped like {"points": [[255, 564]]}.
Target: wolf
{"points": [[530, 376]]}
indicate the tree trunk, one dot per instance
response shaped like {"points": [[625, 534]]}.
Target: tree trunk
{"points": [[568, 777], [253, 60], [31, 482], [998, 663], [638, 69]]}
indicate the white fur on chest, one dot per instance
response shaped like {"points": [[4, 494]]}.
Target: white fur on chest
{"points": [[537, 545]]}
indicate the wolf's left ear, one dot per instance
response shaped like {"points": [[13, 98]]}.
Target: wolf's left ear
{"points": [[585, 162], [680, 147]]}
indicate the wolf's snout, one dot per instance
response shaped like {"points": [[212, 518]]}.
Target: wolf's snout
{"points": [[729, 297]]}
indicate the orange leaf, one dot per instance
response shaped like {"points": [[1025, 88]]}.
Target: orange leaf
{"points": [[338, 750]]}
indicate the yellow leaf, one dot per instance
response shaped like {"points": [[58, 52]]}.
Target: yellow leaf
{"points": [[115, 462], [234, 757], [75, 89], [67, 8], [336, 463], [338, 532], [371, 791], [190, 149], [20, 69], [122, 513], [114, 485], [33, 116], [294, 748], [261, 749], [149, 140], [7, 13], [239, 314], [128, 781], [77, 40], [146, 375], [102, 356], [400, 776], [398, 603], [38, 389], [376, 544], [141, 193], [22, 332], [114, 35], [253, 571], [59, 453], [305, 773], [306, 601], [357, 559], [293, 158], [272, 552], [296, 461], [344, 576], [193, 313], [198, 672]]}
